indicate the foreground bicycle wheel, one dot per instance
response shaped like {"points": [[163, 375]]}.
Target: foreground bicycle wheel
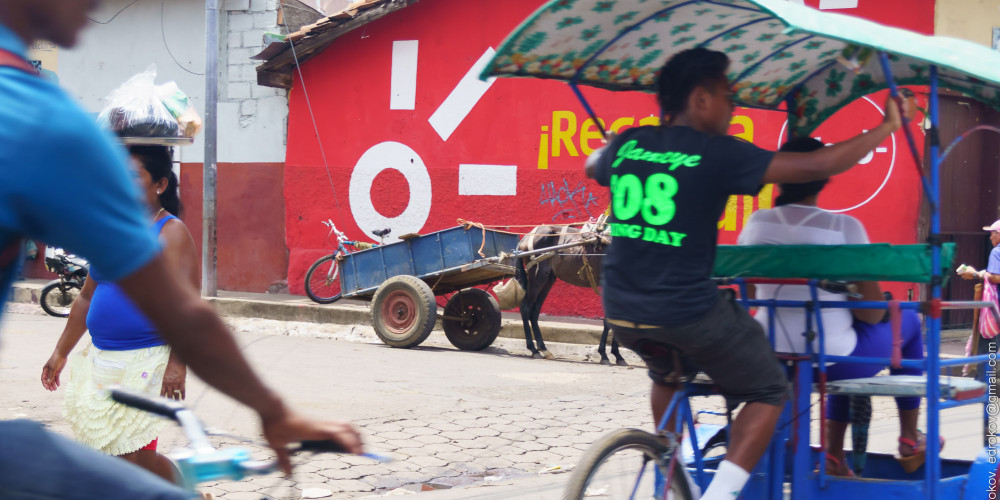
{"points": [[623, 465], [322, 283]]}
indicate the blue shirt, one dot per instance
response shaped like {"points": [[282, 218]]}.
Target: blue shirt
{"points": [[114, 321], [993, 267], [64, 181]]}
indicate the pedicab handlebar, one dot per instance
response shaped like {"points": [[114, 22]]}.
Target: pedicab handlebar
{"points": [[202, 462], [831, 286]]}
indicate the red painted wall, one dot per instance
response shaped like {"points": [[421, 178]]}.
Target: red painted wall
{"points": [[250, 222], [537, 126]]}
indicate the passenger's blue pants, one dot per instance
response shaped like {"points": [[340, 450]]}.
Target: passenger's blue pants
{"points": [[38, 465], [876, 341]]}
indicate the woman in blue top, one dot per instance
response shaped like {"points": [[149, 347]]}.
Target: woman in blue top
{"points": [[124, 347]]}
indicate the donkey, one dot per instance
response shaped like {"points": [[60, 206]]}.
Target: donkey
{"points": [[579, 266]]}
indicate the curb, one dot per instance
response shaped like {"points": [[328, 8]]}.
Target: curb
{"points": [[300, 309], [357, 314]]}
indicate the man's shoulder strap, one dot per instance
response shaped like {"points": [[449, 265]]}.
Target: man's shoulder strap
{"points": [[12, 60], [12, 250]]}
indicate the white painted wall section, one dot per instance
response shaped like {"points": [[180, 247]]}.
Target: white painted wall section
{"points": [[487, 180], [837, 4], [252, 119], [462, 99], [403, 86]]}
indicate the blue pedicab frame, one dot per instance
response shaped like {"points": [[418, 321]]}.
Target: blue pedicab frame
{"points": [[805, 473]]}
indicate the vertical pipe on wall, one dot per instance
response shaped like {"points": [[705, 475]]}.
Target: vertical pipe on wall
{"points": [[210, 167]]}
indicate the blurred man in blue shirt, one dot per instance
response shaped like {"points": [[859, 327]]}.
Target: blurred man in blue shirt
{"points": [[45, 138]]}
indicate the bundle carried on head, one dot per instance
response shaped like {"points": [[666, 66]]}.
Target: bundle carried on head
{"points": [[140, 108]]}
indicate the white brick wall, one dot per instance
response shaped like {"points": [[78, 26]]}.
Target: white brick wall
{"points": [[247, 21]]}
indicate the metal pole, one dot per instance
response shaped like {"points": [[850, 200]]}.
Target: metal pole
{"points": [[933, 462], [210, 168]]}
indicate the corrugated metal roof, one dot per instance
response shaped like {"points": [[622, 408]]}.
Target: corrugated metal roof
{"points": [[279, 58]]}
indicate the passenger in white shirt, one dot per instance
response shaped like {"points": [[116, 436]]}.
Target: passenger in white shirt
{"points": [[796, 220]]}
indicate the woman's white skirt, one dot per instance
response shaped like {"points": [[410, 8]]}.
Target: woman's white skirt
{"points": [[97, 420]]}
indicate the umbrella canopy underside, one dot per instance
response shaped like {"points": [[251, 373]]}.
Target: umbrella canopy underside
{"points": [[780, 52]]}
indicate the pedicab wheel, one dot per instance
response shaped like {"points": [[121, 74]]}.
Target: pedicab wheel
{"points": [[403, 311], [471, 319], [623, 464], [58, 296], [322, 283]]}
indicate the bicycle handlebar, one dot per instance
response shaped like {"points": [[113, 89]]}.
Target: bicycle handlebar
{"points": [[161, 407], [341, 237], [203, 462]]}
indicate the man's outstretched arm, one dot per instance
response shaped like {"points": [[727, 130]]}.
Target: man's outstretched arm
{"points": [[838, 158], [203, 342]]}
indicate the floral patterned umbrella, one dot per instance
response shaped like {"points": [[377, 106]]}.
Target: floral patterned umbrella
{"points": [[781, 52]]}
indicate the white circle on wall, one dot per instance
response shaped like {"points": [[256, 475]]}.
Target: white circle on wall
{"points": [[864, 161], [380, 157]]}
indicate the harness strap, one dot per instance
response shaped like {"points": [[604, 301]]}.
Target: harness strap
{"points": [[895, 317]]}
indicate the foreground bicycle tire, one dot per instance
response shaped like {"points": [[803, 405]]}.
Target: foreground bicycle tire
{"points": [[57, 297], [622, 465], [322, 283]]}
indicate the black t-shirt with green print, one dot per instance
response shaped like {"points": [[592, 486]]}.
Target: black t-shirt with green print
{"points": [[669, 187]]}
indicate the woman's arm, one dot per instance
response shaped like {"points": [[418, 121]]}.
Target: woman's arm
{"points": [[180, 253], [870, 291], [989, 277], [76, 326]]}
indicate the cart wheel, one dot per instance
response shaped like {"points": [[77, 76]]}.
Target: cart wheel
{"points": [[471, 319], [403, 311]]}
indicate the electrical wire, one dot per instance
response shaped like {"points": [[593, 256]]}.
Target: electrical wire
{"points": [[163, 34], [133, 2], [312, 115]]}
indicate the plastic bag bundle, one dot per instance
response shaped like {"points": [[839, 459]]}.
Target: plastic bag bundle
{"points": [[140, 108], [180, 108]]}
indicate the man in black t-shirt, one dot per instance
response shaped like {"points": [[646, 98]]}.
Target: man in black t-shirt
{"points": [[669, 185]]}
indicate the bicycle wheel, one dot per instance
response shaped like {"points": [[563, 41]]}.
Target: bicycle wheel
{"points": [[57, 297], [322, 285], [623, 465]]}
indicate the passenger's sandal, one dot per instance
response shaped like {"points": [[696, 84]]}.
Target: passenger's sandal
{"points": [[911, 462]]}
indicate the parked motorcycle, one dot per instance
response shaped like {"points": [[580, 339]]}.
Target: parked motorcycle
{"points": [[58, 295]]}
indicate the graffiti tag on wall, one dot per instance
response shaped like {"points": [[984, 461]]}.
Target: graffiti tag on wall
{"points": [[573, 203]]}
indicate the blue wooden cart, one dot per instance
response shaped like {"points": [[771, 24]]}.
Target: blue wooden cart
{"points": [[401, 280]]}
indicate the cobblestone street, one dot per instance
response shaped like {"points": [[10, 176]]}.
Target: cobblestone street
{"points": [[458, 425], [460, 447]]}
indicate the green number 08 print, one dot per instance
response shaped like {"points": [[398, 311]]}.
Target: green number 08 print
{"points": [[654, 199]]}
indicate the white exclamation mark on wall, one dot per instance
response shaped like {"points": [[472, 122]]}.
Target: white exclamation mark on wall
{"points": [[403, 85]]}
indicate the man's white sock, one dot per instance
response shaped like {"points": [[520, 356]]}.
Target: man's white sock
{"points": [[728, 482]]}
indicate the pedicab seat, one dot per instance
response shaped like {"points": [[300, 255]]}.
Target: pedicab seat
{"points": [[954, 388]]}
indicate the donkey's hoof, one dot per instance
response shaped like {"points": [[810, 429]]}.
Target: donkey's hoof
{"points": [[548, 355], [537, 355], [621, 362], [605, 361]]}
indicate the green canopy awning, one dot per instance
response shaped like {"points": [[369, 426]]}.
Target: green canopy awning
{"points": [[781, 52]]}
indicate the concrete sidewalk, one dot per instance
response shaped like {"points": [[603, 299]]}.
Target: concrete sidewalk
{"points": [[283, 307]]}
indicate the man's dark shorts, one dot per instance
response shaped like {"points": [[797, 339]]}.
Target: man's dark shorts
{"points": [[726, 343]]}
